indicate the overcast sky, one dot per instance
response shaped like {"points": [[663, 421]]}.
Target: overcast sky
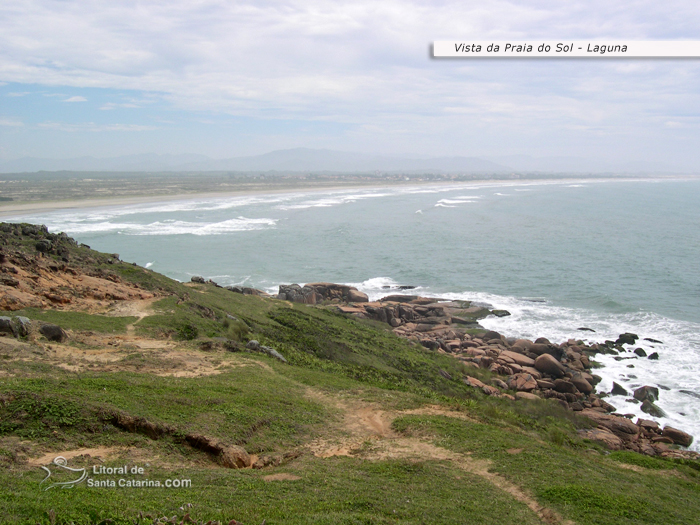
{"points": [[225, 78]]}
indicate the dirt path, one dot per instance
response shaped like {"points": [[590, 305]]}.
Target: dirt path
{"points": [[365, 431], [139, 309]]}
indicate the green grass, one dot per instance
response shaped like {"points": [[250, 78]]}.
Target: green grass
{"points": [[580, 483], [76, 320], [67, 408], [330, 492], [264, 405]]}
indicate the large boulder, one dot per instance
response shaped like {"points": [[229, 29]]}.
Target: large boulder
{"points": [[356, 296], [647, 393], [565, 387], [620, 426], [493, 336], [583, 385], [603, 436], [6, 325], [522, 382], [618, 390], [678, 436], [650, 408], [21, 326], [519, 359], [53, 332], [547, 364], [627, 339]]}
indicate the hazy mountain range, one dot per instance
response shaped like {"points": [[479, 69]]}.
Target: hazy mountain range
{"points": [[322, 160]]}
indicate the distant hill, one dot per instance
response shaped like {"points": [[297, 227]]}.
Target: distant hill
{"points": [[324, 160]]}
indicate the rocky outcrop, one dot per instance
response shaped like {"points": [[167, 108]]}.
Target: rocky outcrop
{"points": [[54, 272], [315, 293]]}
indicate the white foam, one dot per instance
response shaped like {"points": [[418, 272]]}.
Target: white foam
{"points": [[455, 201], [166, 227], [379, 287]]}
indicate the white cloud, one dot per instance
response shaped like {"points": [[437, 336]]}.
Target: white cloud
{"points": [[92, 127], [18, 94], [365, 64], [76, 99], [115, 105], [10, 122]]}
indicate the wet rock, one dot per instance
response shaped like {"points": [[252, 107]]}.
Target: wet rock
{"points": [[500, 313], [690, 393], [653, 340], [640, 352], [653, 356], [618, 390], [584, 329], [627, 338], [650, 408], [647, 393]]}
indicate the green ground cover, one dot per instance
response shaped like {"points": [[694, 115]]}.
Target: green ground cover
{"points": [[265, 405]]}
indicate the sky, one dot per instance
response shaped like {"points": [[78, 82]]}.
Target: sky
{"points": [[235, 78]]}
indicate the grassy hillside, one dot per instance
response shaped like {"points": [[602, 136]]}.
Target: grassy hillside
{"points": [[357, 427]]}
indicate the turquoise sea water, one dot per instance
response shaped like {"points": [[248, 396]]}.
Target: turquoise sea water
{"points": [[613, 256]]}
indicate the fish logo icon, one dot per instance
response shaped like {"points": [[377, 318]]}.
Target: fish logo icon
{"points": [[62, 463]]}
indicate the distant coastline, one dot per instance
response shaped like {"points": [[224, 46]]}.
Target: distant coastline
{"points": [[32, 198]]}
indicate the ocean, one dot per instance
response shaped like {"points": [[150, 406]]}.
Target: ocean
{"points": [[610, 255]]}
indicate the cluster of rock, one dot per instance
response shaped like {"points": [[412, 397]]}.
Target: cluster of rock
{"points": [[532, 369], [316, 293], [429, 319], [19, 326]]}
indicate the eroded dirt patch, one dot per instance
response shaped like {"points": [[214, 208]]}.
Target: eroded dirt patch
{"points": [[281, 477]]}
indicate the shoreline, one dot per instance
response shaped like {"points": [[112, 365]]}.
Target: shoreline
{"points": [[21, 208]]}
